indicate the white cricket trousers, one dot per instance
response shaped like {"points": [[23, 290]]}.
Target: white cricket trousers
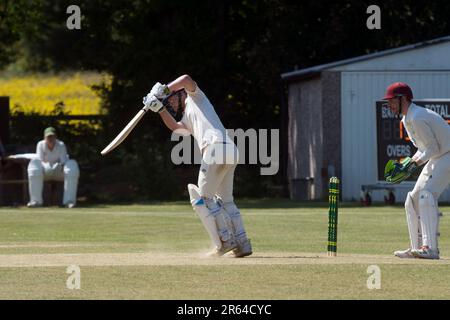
{"points": [[421, 204], [216, 173], [435, 177], [39, 171]]}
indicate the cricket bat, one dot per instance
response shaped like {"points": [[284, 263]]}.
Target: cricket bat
{"points": [[124, 133]]}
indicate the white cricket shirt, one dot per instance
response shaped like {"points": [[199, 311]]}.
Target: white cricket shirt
{"points": [[202, 121], [58, 154], [428, 131]]}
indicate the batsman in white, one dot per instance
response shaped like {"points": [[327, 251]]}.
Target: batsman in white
{"points": [[52, 163], [212, 199], [430, 133]]}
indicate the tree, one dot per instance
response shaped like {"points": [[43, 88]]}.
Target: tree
{"points": [[17, 18]]}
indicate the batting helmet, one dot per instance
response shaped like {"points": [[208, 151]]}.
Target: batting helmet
{"points": [[169, 108], [398, 89]]}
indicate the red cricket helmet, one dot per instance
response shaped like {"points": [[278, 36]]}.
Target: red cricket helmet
{"points": [[398, 89]]}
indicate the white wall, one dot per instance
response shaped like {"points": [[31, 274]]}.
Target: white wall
{"points": [[359, 92]]}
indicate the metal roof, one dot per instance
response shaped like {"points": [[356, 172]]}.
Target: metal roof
{"points": [[316, 70]]}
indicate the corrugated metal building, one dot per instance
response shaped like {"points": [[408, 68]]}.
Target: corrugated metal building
{"points": [[331, 115]]}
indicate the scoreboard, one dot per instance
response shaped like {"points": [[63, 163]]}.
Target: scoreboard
{"points": [[392, 140]]}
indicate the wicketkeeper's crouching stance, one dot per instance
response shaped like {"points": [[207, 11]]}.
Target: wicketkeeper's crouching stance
{"points": [[212, 199], [430, 133]]}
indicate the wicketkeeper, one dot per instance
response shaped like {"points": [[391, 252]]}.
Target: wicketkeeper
{"points": [[212, 199], [430, 134]]}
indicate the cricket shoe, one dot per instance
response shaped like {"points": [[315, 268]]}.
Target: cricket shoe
{"points": [[70, 205], [226, 247], [426, 253], [404, 254], [34, 204], [243, 249]]}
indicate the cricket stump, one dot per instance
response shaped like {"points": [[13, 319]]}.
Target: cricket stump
{"points": [[333, 202]]}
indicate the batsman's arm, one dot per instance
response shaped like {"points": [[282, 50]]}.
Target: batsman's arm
{"points": [[183, 82], [170, 123]]}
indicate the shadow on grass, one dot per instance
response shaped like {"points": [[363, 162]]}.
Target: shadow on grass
{"points": [[266, 203], [244, 203], [288, 204], [312, 256]]}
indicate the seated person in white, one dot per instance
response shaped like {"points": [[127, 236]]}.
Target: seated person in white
{"points": [[54, 164]]}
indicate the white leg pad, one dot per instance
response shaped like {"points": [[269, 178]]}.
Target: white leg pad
{"points": [[71, 175], [236, 221], [35, 180], [413, 221], [208, 220], [219, 214], [438, 234], [429, 219]]}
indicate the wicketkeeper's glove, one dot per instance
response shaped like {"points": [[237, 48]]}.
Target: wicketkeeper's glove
{"points": [[396, 172], [152, 103], [160, 91]]}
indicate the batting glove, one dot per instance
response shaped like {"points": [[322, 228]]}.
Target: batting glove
{"points": [[152, 103], [160, 91]]}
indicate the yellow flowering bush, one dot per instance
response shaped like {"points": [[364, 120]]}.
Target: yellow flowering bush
{"points": [[40, 92]]}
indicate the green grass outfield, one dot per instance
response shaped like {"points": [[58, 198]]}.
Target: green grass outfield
{"points": [[157, 251]]}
